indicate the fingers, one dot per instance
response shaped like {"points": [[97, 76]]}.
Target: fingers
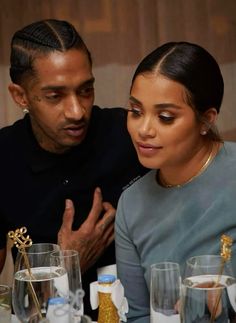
{"points": [[106, 222], [106, 225], [68, 215], [108, 235], [97, 206], [66, 227], [108, 207], [96, 248], [108, 217]]}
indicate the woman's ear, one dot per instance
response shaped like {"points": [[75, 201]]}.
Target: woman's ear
{"points": [[19, 96], [209, 120]]}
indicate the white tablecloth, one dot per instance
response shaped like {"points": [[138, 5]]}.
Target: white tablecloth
{"points": [[14, 319]]}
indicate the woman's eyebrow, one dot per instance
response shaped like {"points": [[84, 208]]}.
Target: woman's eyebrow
{"points": [[166, 105], [131, 98], [158, 105]]}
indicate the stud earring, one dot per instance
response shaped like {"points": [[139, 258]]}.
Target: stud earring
{"points": [[203, 132], [25, 110]]}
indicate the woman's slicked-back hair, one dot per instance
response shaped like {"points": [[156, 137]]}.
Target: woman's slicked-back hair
{"points": [[39, 38], [193, 67]]}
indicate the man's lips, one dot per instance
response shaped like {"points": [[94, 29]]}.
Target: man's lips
{"points": [[75, 130]]}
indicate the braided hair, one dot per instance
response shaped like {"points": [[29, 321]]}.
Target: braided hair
{"points": [[39, 38]]}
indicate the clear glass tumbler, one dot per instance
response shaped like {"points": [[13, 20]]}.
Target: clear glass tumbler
{"points": [[209, 290], [165, 292]]}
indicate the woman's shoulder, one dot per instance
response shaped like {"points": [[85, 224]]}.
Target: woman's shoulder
{"points": [[230, 145], [228, 151], [140, 187], [224, 165]]}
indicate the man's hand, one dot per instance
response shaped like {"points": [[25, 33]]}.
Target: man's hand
{"points": [[93, 236]]}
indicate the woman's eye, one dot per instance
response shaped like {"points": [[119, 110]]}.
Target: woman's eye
{"points": [[135, 111], [166, 118]]}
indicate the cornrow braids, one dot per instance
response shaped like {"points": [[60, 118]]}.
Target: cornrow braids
{"points": [[39, 38]]}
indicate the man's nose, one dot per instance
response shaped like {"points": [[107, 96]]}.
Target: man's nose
{"points": [[73, 108]]}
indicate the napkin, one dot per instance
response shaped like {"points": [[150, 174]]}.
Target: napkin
{"points": [[117, 296], [159, 317]]}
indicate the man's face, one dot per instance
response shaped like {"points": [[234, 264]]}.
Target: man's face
{"points": [[60, 99]]}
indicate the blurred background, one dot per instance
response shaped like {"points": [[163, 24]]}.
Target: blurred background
{"points": [[121, 32]]}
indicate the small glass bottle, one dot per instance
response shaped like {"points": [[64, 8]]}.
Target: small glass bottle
{"points": [[107, 312]]}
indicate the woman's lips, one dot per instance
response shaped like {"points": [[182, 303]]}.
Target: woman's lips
{"points": [[146, 149]]}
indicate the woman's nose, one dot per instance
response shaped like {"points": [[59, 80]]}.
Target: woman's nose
{"points": [[147, 128]]}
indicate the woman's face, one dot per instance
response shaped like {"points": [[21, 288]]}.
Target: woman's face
{"points": [[163, 127]]}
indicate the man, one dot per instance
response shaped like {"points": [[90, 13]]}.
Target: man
{"points": [[65, 155]]}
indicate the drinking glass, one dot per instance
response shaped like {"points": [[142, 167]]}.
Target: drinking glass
{"points": [[32, 282], [71, 298], [165, 292], [209, 290], [5, 304]]}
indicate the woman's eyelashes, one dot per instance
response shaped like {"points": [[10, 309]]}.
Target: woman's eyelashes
{"points": [[166, 117], [135, 111]]}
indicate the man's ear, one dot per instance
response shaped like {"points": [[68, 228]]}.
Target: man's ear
{"points": [[210, 117], [18, 94]]}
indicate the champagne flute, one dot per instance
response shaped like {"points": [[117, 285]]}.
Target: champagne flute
{"points": [[165, 292], [209, 290], [72, 298], [32, 282]]}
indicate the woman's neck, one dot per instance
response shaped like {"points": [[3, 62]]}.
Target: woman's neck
{"points": [[192, 168]]}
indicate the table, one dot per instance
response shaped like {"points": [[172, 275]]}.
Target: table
{"points": [[14, 319]]}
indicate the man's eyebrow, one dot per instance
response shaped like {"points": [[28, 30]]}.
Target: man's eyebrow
{"points": [[158, 105], [88, 82], [63, 87], [52, 87]]}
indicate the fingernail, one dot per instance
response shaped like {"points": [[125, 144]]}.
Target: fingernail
{"points": [[98, 190], [68, 204]]}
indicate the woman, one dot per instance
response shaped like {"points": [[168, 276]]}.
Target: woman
{"points": [[184, 204]]}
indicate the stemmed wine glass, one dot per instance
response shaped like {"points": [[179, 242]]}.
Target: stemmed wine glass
{"points": [[32, 282], [209, 290]]}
